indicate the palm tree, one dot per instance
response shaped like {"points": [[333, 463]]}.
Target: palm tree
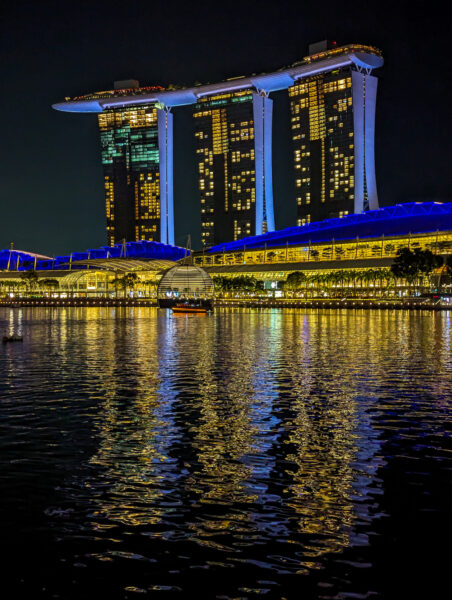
{"points": [[415, 265], [310, 283], [352, 274], [219, 284], [30, 278], [126, 282], [11, 285], [343, 278], [335, 279], [445, 271], [367, 277], [317, 279], [378, 278], [328, 279], [130, 281], [346, 277], [295, 281], [392, 281], [115, 281], [49, 284], [244, 282]]}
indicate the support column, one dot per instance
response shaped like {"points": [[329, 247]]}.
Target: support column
{"points": [[364, 90], [165, 141], [262, 115]]}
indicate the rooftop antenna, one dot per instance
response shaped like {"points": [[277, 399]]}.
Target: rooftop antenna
{"points": [[123, 249]]}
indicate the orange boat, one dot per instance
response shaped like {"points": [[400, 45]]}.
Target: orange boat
{"points": [[187, 308]]}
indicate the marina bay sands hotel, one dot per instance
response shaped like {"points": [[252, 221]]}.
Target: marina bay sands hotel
{"points": [[332, 95]]}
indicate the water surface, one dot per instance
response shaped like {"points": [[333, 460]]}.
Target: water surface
{"points": [[277, 453]]}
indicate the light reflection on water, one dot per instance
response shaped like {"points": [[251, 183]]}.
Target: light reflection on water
{"points": [[253, 445]]}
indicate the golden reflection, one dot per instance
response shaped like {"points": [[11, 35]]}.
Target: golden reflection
{"points": [[225, 432], [232, 399], [331, 440], [323, 433], [132, 453], [254, 423]]}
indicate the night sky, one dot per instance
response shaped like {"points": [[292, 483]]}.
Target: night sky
{"points": [[51, 176]]}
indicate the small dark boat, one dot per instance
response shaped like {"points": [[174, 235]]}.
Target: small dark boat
{"points": [[12, 338]]}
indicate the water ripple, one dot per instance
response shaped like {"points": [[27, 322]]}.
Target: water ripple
{"points": [[250, 453]]}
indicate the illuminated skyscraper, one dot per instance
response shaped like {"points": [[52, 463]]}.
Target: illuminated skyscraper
{"points": [[233, 148], [332, 96], [133, 142], [333, 124], [136, 143]]}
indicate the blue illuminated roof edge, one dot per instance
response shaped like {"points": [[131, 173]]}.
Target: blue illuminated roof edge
{"points": [[276, 80], [332, 227]]}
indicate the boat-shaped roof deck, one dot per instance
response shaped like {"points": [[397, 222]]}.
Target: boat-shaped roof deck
{"points": [[363, 57]]}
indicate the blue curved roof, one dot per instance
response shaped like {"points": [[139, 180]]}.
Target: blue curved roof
{"points": [[23, 261], [401, 219]]}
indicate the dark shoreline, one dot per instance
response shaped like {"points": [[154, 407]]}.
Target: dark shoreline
{"points": [[334, 304], [350, 303], [23, 302]]}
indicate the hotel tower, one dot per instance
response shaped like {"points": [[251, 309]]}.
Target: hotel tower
{"points": [[137, 159], [134, 144], [333, 125], [332, 96], [233, 150]]}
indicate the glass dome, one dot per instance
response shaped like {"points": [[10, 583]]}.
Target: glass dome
{"points": [[185, 281]]}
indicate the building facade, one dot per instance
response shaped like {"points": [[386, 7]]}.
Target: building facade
{"points": [[137, 159], [354, 244], [347, 257], [332, 96], [233, 150], [333, 130], [136, 147]]}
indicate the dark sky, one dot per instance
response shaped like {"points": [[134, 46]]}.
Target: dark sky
{"points": [[51, 181]]}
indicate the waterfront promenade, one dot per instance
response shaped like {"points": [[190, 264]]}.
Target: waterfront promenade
{"points": [[328, 303]]}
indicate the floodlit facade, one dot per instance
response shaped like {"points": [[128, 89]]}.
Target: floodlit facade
{"points": [[136, 147], [332, 97], [355, 251], [233, 150], [364, 241], [93, 273], [333, 131], [137, 160]]}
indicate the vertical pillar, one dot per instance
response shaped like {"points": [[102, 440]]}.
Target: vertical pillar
{"points": [[364, 90], [370, 106], [262, 115], [165, 141]]}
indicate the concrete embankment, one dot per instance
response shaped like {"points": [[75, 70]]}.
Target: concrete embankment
{"points": [[350, 303], [19, 302]]}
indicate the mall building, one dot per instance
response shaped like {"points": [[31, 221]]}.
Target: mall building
{"points": [[356, 244]]}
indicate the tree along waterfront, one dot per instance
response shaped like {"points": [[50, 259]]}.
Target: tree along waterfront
{"points": [[413, 273]]}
